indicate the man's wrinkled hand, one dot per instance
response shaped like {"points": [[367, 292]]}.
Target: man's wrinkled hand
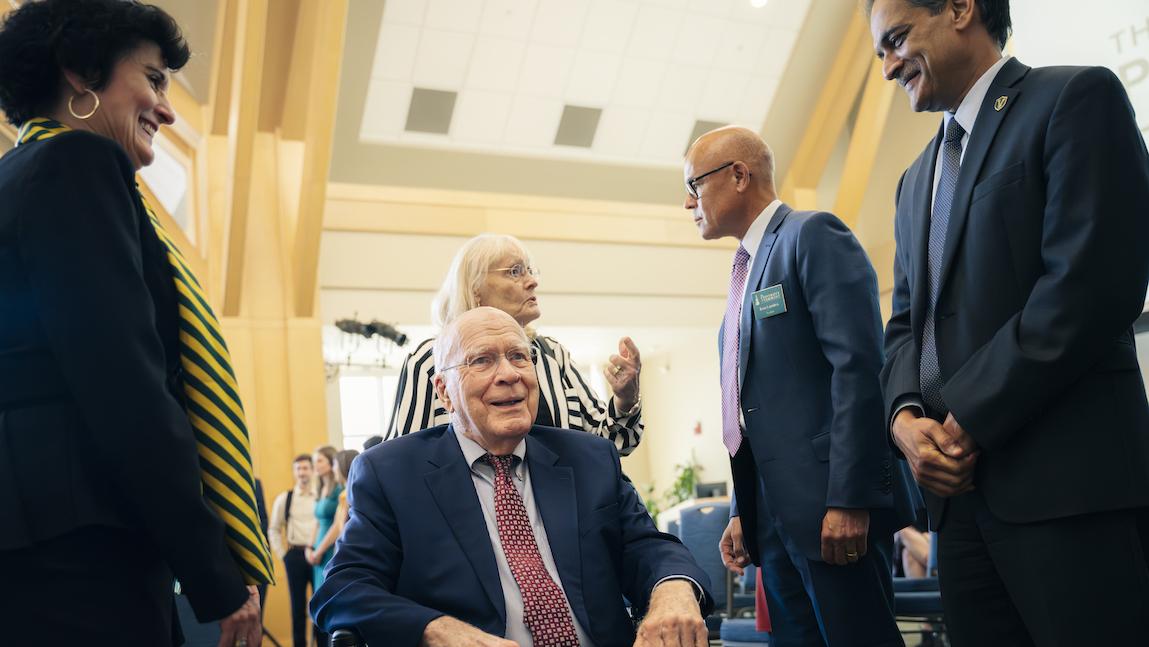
{"points": [[942, 460], [673, 618], [446, 631], [243, 626], [844, 532], [621, 373], [734, 555]]}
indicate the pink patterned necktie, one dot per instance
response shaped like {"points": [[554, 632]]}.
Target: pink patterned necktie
{"points": [[544, 604], [731, 333]]}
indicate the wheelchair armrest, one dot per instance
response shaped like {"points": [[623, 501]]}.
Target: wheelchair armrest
{"points": [[346, 638]]}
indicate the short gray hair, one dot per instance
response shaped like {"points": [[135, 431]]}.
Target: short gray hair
{"points": [[459, 291]]}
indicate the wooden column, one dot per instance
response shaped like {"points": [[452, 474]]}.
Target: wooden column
{"points": [[265, 158]]}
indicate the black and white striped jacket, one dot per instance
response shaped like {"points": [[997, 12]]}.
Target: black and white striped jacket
{"points": [[417, 406]]}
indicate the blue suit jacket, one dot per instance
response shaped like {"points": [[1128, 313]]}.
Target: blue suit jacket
{"points": [[416, 546], [810, 391]]}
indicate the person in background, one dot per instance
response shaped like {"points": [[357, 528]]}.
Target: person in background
{"points": [[110, 482], [495, 531], [915, 551], [371, 442], [1011, 379], [498, 271], [342, 467], [326, 502], [291, 531]]}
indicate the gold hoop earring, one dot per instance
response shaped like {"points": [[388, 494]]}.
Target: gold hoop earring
{"points": [[94, 108]]}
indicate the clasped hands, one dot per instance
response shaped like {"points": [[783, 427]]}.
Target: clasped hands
{"points": [[672, 620], [942, 457]]}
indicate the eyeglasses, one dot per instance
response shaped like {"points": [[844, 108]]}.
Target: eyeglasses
{"points": [[518, 271], [692, 183], [486, 362]]}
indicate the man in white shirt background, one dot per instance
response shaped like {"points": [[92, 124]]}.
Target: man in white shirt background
{"points": [[292, 526]]}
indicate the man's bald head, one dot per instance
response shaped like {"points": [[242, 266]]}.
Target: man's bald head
{"points": [[485, 319], [485, 378], [729, 175], [734, 144]]}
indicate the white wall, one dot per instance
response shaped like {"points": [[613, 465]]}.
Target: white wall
{"points": [[1113, 33], [683, 408]]}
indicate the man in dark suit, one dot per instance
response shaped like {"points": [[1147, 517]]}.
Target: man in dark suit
{"points": [[1011, 378], [490, 527], [818, 492]]}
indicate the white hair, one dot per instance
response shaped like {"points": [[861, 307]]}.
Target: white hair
{"points": [[447, 341], [460, 289]]}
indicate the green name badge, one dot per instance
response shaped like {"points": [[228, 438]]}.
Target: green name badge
{"points": [[768, 302]]}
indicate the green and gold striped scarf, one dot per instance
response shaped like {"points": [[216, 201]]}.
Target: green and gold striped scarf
{"points": [[213, 405]]}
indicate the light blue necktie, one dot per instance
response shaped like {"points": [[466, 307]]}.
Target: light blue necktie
{"points": [[930, 375]]}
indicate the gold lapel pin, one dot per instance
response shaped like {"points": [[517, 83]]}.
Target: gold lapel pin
{"points": [[1000, 103]]}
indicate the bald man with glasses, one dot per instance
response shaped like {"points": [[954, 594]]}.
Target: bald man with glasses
{"points": [[818, 493]]}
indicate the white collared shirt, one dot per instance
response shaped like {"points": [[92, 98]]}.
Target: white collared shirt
{"points": [[483, 477], [966, 116], [288, 529], [753, 238]]}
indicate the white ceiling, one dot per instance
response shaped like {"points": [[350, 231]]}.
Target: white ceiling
{"points": [[654, 67]]}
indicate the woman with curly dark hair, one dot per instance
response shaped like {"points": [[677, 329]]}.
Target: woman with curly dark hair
{"points": [[124, 458]]}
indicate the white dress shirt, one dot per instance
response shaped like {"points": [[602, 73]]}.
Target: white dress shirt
{"points": [[483, 476], [285, 533], [751, 240], [966, 116]]}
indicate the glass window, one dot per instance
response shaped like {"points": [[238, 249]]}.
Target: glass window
{"points": [[365, 403]]}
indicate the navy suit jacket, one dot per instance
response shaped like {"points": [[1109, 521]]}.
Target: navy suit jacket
{"points": [[810, 393], [416, 546], [1043, 274]]}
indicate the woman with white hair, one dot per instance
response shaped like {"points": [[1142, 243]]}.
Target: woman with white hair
{"points": [[496, 270]]}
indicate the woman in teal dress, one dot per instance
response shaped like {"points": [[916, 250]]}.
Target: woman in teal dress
{"points": [[327, 500], [325, 506], [331, 527]]}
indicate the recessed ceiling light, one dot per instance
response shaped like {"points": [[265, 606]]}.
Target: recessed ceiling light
{"points": [[758, 4]]}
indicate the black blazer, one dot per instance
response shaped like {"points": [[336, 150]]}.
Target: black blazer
{"points": [[92, 429], [1044, 272]]}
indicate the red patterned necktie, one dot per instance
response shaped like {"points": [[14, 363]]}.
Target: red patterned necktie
{"points": [[544, 604]]}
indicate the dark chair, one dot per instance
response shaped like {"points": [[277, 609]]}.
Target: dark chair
{"points": [[346, 638], [741, 632], [700, 529], [920, 600]]}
